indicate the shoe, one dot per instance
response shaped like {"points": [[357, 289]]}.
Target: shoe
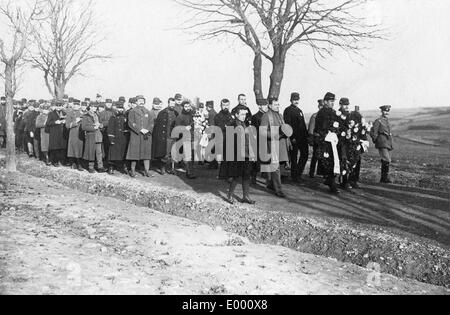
{"points": [[80, 168], [92, 171], [230, 200], [334, 189], [248, 201], [147, 174], [111, 171], [280, 194], [191, 176], [355, 185], [102, 170], [162, 171], [170, 172], [132, 174], [74, 166]]}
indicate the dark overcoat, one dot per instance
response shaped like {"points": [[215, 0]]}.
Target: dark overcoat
{"points": [[92, 137], [119, 136], [162, 132], [294, 117], [57, 141], [236, 167], [140, 146], [325, 120]]}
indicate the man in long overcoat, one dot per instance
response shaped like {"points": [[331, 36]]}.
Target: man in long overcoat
{"points": [[118, 136], [75, 144], [162, 137], [93, 139], [294, 117], [141, 123], [55, 127]]}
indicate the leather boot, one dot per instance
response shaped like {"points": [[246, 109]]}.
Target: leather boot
{"points": [[231, 189], [246, 189]]}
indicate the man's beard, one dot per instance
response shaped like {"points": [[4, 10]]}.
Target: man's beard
{"points": [[226, 110]]}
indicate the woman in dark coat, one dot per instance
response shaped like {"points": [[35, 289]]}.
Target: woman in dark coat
{"points": [[141, 123], [162, 137], [236, 170], [55, 128], [119, 136]]}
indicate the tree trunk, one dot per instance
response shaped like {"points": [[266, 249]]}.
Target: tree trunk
{"points": [[11, 137], [49, 88], [276, 77], [257, 76], [60, 88]]}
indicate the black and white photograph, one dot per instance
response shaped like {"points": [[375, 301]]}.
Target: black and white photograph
{"points": [[222, 153]]}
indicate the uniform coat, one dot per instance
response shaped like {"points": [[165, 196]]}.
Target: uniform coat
{"points": [[162, 132], [294, 117], [75, 145], [140, 146], [56, 132], [41, 120], [119, 136], [324, 124], [381, 134], [93, 136]]}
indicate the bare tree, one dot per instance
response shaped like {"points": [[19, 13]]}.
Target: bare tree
{"points": [[272, 28], [64, 42], [19, 19]]}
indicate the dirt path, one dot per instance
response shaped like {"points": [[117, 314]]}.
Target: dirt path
{"points": [[59, 241], [412, 211]]}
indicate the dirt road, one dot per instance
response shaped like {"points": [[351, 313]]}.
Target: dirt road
{"points": [[56, 240]]}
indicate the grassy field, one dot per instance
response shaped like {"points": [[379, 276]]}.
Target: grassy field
{"points": [[422, 148]]}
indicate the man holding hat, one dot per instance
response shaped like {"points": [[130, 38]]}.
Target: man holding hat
{"points": [[382, 137], [326, 125], [294, 117], [141, 123]]}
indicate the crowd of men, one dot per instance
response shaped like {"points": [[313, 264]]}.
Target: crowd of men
{"points": [[109, 136]]}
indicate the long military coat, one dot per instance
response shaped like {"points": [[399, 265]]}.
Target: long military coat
{"points": [[164, 124], [119, 136], [140, 146]]}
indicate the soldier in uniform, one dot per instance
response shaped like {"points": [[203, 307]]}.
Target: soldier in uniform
{"points": [[55, 127], [162, 138], [382, 137], [141, 123], [93, 139], [119, 136], [178, 103], [326, 123], [75, 144], [294, 117]]}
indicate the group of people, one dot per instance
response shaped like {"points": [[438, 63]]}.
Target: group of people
{"points": [[106, 136]]}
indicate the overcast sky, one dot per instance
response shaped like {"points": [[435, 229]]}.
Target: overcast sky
{"points": [[412, 69]]}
